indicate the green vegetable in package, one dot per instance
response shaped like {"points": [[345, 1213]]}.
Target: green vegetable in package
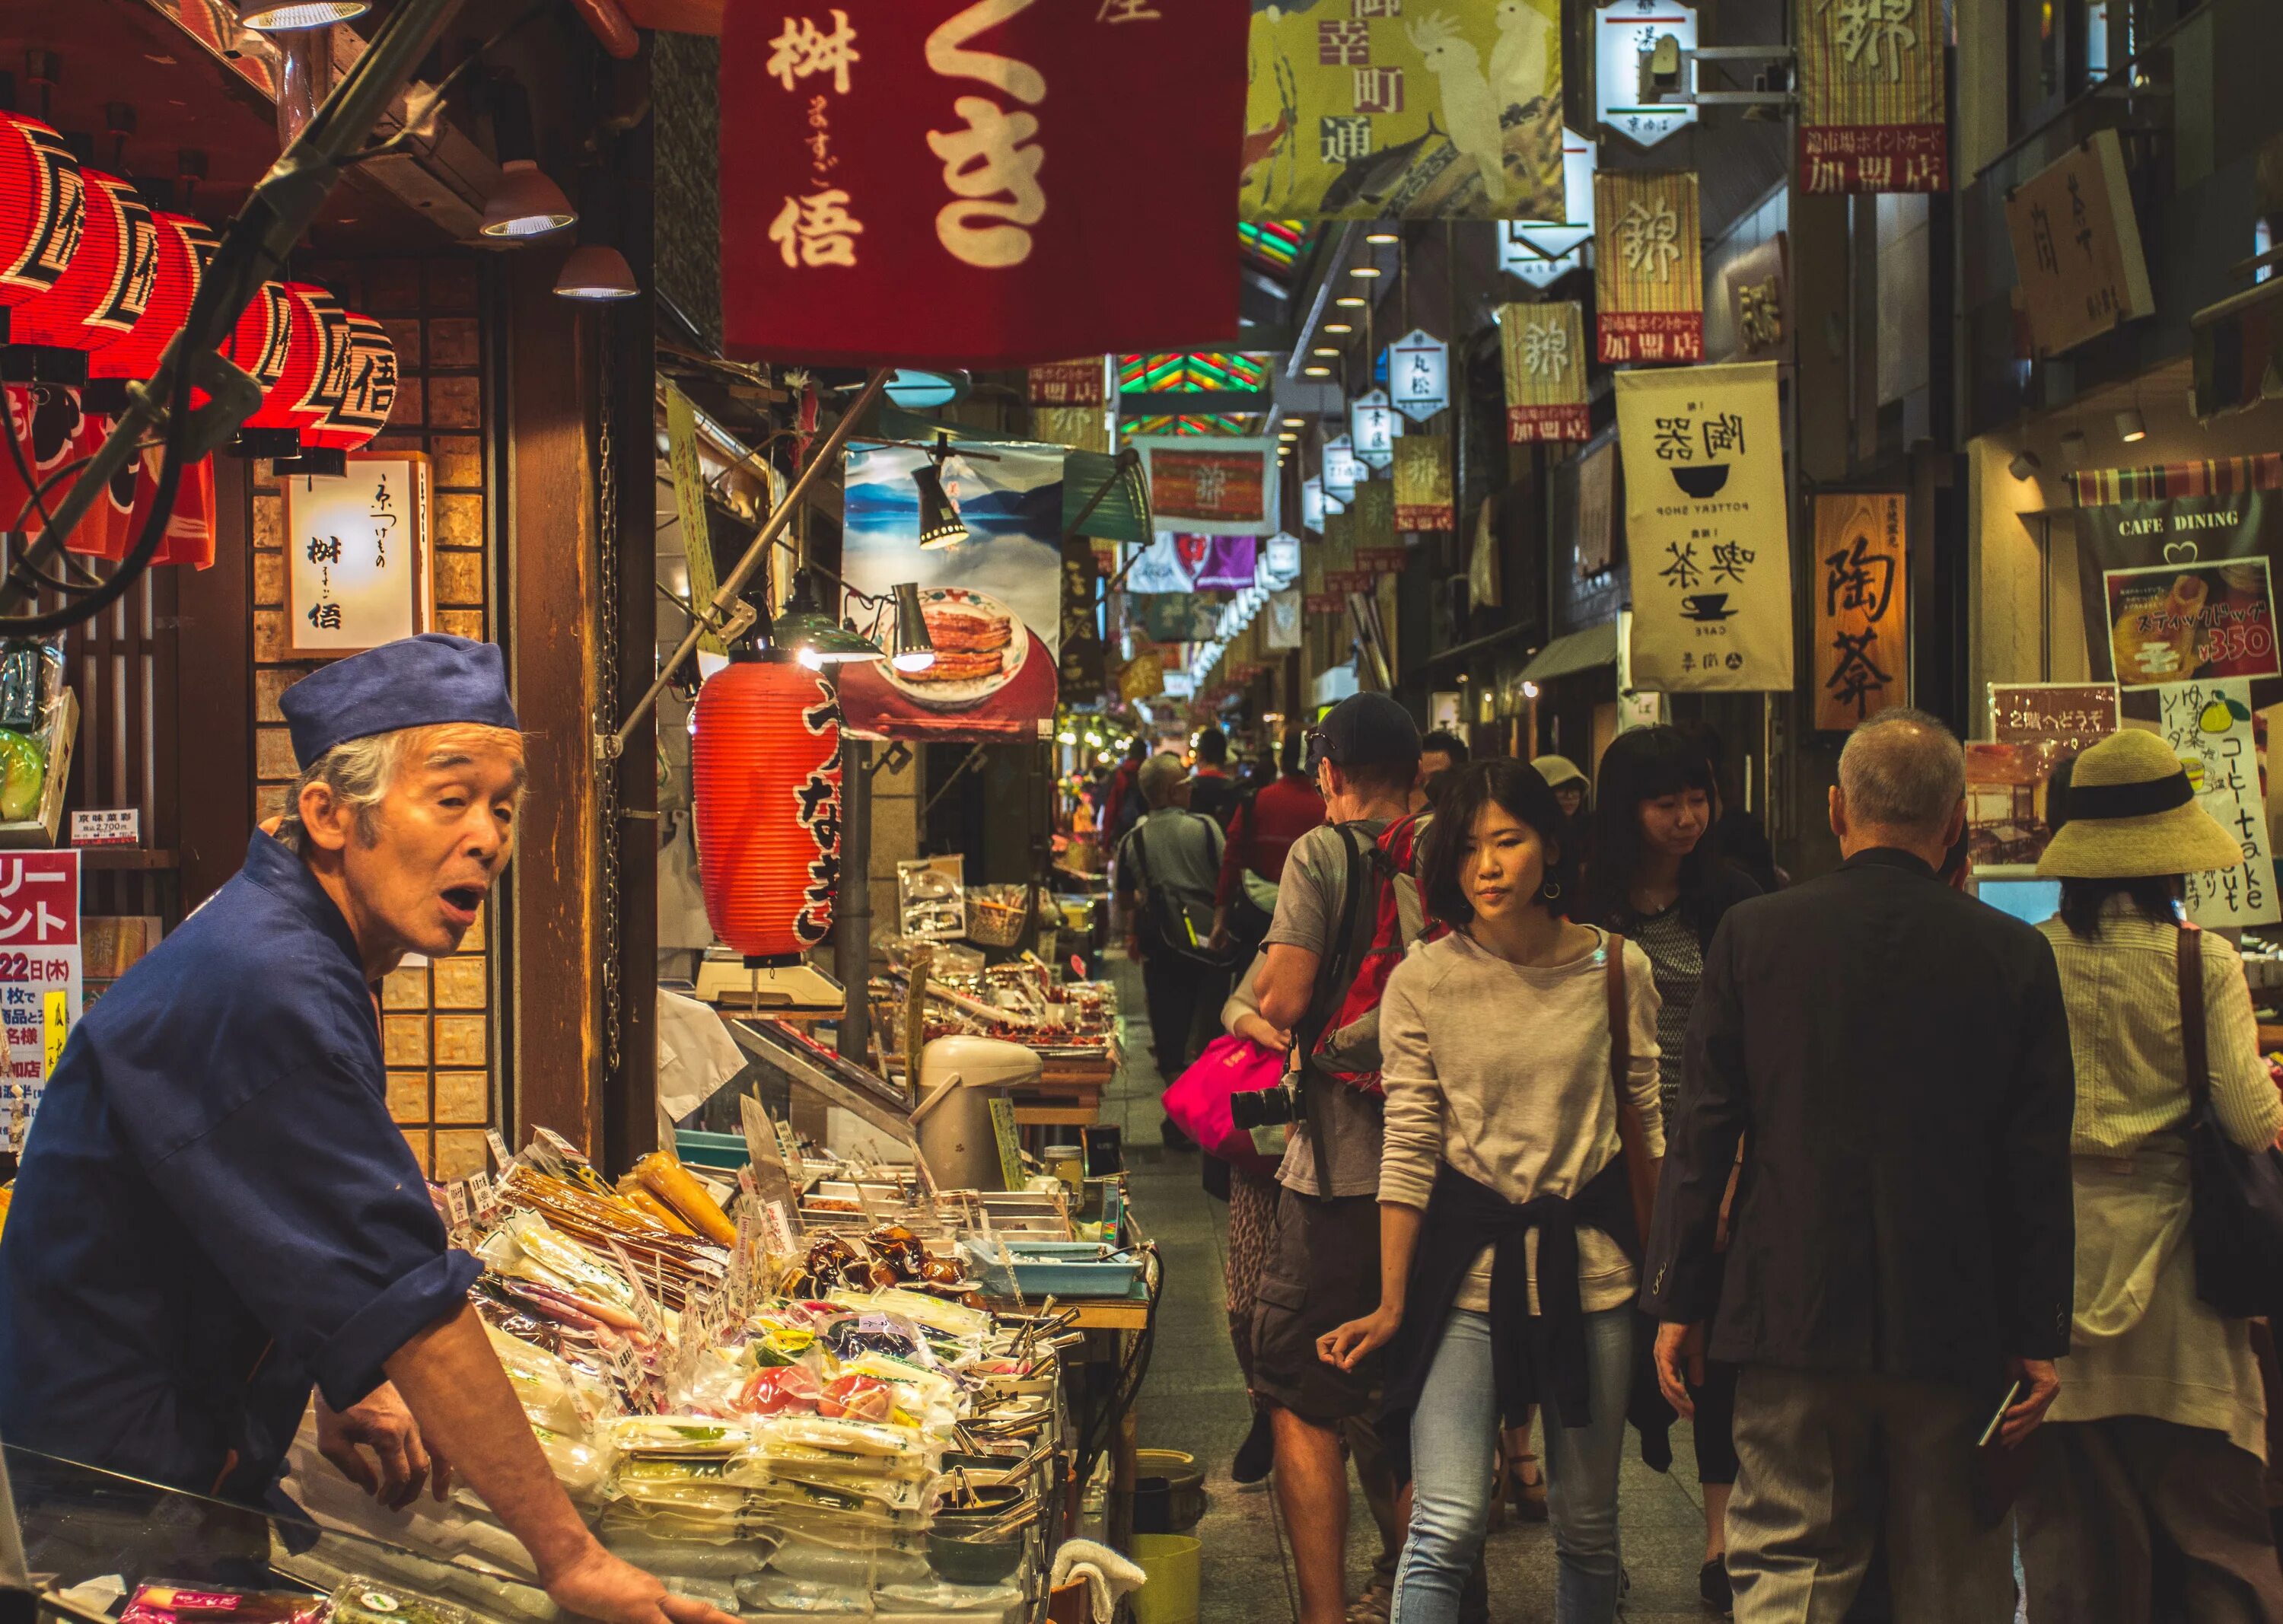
{"points": [[23, 774]]}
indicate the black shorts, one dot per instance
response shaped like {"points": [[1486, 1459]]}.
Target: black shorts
{"points": [[1322, 1271]]}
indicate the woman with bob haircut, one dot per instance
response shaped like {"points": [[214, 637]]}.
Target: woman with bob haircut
{"points": [[1507, 1243]]}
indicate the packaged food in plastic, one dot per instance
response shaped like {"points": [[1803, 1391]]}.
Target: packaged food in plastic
{"points": [[942, 1596], [825, 1562], [542, 1384], [774, 1593], [720, 1593], [582, 1468], [952, 1319], [856, 1398], [777, 1390], [179, 1604], [691, 1557], [359, 1600], [889, 1446], [696, 1435]]}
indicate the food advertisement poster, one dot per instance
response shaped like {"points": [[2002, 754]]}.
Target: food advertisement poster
{"points": [[1218, 486], [1707, 528], [40, 978], [1862, 633], [2006, 800], [1543, 347], [993, 604], [1872, 111], [2209, 726], [1648, 266], [1403, 109], [2174, 621]]}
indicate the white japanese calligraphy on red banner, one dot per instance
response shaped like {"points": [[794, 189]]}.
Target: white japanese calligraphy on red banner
{"points": [[39, 978], [956, 164]]}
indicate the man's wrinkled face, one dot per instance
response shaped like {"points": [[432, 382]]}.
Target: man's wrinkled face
{"points": [[440, 836]]}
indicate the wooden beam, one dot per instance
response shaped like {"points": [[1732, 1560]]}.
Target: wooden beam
{"points": [[547, 622], [213, 698]]}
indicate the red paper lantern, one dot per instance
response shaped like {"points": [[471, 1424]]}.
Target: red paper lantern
{"points": [[185, 245], [259, 343], [317, 339], [357, 407], [41, 211], [766, 764], [104, 293]]}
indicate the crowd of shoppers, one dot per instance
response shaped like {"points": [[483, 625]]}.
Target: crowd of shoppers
{"points": [[1899, 1186]]}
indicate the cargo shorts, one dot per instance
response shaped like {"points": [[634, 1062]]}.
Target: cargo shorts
{"points": [[1322, 1271]]}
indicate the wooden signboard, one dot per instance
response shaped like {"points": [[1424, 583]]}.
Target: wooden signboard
{"points": [[1862, 631]]}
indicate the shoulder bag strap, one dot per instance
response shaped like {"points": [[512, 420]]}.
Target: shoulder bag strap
{"points": [[1642, 1169], [1322, 1000], [2195, 1045]]}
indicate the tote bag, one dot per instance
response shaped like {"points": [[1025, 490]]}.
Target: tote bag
{"points": [[2235, 1207], [1198, 1099]]}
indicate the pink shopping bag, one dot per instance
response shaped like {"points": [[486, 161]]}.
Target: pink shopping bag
{"points": [[1198, 1099]]}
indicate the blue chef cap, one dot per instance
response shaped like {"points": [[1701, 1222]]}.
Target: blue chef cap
{"points": [[413, 683]]}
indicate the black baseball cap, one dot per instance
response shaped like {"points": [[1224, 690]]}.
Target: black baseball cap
{"points": [[1364, 729]]}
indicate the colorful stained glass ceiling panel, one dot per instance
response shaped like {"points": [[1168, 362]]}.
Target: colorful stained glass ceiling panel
{"points": [[1243, 423], [1275, 244], [1216, 371]]}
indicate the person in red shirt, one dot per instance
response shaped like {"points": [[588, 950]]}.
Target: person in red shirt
{"points": [[1262, 829]]}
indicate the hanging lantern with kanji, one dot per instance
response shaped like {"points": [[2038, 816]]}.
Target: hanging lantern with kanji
{"points": [[764, 761], [184, 247], [41, 211], [356, 400], [103, 294], [316, 352]]}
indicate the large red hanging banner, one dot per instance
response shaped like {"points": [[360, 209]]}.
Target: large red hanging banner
{"points": [[941, 182]]}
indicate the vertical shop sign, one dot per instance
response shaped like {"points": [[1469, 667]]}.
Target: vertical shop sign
{"points": [[1210, 486], [1759, 300], [2077, 246], [356, 556], [2071, 715], [1419, 375], [1422, 496], [1597, 509], [1543, 347], [914, 182], [1372, 429], [1344, 471], [1707, 528], [1872, 111], [2209, 726], [1376, 109], [1080, 657], [1862, 629], [40, 967], [1648, 266], [689, 506], [1626, 33], [1069, 383]]}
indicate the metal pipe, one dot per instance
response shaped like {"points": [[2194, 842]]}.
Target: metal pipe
{"points": [[611, 746], [852, 941]]}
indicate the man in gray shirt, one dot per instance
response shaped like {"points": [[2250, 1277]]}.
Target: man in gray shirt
{"points": [[1322, 1268], [1168, 866]]}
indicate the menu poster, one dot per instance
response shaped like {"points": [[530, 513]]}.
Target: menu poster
{"points": [[2171, 621], [2209, 726], [2071, 714], [40, 978], [2006, 800]]}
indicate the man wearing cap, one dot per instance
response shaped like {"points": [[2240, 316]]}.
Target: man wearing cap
{"points": [[1167, 867], [214, 1212], [1321, 1269]]}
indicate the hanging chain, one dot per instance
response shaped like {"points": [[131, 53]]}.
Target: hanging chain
{"points": [[606, 683]]}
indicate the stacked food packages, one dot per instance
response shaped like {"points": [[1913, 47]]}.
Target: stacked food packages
{"points": [[775, 1433]]}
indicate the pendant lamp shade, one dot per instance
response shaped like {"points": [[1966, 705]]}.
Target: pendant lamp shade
{"points": [[525, 203], [107, 287], [41, 211], [185, 245], [317, 352], [941, 525], [765, 760]]}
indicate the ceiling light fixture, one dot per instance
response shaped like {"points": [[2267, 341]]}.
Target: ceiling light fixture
{"points": [[1316, 372], [1350, 301], [284, 16], [1339, 326], [1365, 271], [596, 271], [815, 639], [2131, 428], [1295, 422], [525, 203], [1383, 237], [2024, 466], [915, 650], [939, 521]]}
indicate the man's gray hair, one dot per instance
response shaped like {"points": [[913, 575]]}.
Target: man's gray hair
{"points": [[1903, 769], [358, 771]]}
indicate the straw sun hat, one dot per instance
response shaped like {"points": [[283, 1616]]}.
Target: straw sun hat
{"points": [[2132, 814]]}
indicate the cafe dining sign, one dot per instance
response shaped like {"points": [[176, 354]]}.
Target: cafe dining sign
{"points": [[933, 182]]}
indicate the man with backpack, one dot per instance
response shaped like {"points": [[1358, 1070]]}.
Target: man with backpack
{"points": [[1167, 867], [1338, 881]]}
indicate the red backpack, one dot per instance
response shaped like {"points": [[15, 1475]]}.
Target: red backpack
{"points": [[1382, 915]]}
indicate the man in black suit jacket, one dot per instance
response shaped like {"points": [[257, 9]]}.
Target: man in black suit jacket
{"points": [[1893, 1057]]}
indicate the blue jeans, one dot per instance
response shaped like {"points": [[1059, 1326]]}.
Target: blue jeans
{"points": [[1452, 1435]]}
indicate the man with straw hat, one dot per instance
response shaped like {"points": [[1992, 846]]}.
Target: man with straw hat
{"points": [[2156, 1442]]}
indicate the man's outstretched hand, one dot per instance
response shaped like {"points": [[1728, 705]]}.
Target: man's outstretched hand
{"points": [[599, 1586]]}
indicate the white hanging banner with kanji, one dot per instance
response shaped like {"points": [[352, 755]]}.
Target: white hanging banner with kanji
{"points": [[40, 970], [1707, 528], [1372, 427], [1419, 375], [2209, 726]]}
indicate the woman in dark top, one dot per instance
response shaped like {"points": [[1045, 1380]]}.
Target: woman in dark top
{"points": [[1658, 879]]}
